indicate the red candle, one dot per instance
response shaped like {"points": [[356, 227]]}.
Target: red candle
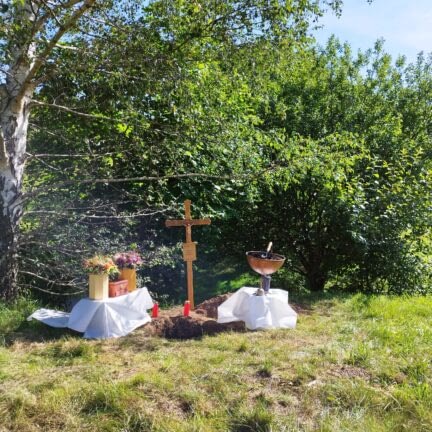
{"points": [[186, 308], [155, 310]]}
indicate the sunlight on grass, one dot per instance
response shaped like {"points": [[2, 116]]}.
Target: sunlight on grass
{"points": [[354, 363]]}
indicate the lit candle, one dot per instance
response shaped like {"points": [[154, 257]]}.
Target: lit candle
{"points": [[155, 310], [186, 308]]}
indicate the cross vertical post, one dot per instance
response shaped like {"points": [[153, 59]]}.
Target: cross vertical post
{"points": [[189, 247]]}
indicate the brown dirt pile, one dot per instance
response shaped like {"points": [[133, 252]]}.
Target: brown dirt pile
{"points": [[202, 321]]}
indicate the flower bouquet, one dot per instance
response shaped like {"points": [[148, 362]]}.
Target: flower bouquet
{"points": [[100, 264], [100, 269], [127, 262]]}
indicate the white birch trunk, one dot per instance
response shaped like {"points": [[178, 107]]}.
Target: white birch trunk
{"points": [[15, 96], [13, 123]]}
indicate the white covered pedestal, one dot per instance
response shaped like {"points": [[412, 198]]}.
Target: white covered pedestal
{"points": [[258, 312], [102, 319]]}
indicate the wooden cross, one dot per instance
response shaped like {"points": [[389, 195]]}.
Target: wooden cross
{"points": [[189, 248]]}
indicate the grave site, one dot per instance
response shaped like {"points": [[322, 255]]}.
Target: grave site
{"points": [[238, 361], [108, 312]]}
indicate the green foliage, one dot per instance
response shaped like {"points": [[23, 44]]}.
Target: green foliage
{"points": [[323, 152], [348, 197]]}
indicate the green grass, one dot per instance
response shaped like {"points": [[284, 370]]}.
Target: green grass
{"points": [[354, 363]]}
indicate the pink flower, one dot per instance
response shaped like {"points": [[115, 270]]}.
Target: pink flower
{"points": [[127, 259]]}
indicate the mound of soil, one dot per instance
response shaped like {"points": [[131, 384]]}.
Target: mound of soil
{"points": [[209, 307], [202, 321]]}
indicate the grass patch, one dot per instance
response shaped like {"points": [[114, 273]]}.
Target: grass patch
{"points": [[69, 351], [260, 419], [12, 317], [353, 363]]}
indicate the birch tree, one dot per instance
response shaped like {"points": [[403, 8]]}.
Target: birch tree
{"points": [[30, 31]]}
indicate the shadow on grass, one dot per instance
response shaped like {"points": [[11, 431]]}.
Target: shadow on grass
{"points": [[14, 326], [35, 331]]}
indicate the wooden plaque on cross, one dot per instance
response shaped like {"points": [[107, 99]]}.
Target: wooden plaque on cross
{"points": [[189, 247]]}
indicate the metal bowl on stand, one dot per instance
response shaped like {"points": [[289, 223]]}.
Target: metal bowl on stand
{"points": [[265, 263]]}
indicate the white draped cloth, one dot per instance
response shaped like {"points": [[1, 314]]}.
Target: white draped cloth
{"points": [[102, 319], [258, 312]]}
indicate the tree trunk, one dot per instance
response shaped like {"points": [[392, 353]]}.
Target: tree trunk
{"points": [[315, 279], [14, 124], [27, 23], [15, 96]]}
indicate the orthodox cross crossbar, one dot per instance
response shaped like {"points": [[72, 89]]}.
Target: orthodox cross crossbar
{"points": [[189, 247]]}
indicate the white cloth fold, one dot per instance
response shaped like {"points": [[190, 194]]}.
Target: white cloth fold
{"points": [[102, 319], [268, 311], [50, 317]]}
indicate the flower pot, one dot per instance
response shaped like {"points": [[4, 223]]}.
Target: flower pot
{"points": [[98, 286], [130, 276], [118, 288]]}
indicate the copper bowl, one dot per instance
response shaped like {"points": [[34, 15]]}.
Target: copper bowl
{"points": [[264, 266]]}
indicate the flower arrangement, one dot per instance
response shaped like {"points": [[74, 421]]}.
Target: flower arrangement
{"points": [[100, 264], [127, 260]]}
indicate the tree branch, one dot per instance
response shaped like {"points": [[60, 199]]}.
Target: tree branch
{"points": [[72, 111], [54, 40], [51, 12], [65, 251], [246, 176], [46, 279], [52, 292], [84, 216], [71, 156], [125, 180]]}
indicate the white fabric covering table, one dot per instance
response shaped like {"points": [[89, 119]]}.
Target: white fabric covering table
{"points": [[258, 312], [102, 319]]}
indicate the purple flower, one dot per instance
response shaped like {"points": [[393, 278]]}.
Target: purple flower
{"points": [[128, 259]]}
